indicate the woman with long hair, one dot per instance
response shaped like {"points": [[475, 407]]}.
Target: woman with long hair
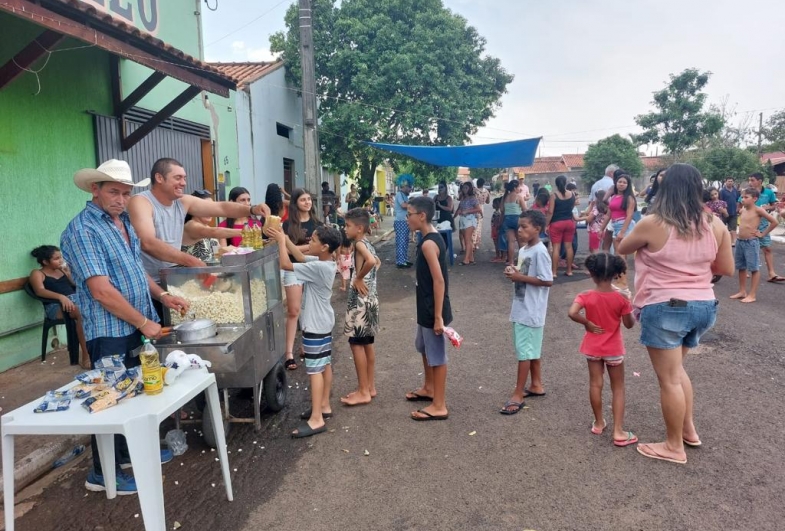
{"points": [[655, 186], [678, 247], [621, 209], [444, 204], [561, 224], [199, 235], [512, 206], [299, 227], [54, 281], [469, 209], [238, 194], [278, 200], [483, 198]]}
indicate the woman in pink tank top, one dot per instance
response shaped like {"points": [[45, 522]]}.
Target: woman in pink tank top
{"points": [[678, 249]]}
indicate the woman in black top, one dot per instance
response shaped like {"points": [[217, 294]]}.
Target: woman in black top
{"points": [[53, 281], [444, 206], [298, 227], [561, 223]]}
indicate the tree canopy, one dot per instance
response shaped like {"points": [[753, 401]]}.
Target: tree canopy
{"points": [[395, 71], [774, 131], [611, 150], [678, 121], [719, 163]]}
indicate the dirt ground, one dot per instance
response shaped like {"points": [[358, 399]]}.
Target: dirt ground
{"points": [[540, 469]]}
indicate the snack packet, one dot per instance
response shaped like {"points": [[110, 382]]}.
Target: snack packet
{"points": [[102, 400], [455, 338], [48, 406], [112, 363], [94, 376], [86, 390]]}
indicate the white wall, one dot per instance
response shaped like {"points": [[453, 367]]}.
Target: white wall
{"points": [[271, 100]]}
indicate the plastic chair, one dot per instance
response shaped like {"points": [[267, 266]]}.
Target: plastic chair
{"points": [[49, 323]]}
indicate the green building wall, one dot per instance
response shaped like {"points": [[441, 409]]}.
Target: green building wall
{"points": [[45, 135]]}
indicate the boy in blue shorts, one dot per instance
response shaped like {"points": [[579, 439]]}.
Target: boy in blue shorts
{"points": [[317, 319], [532, 278], [748, 243], [433, 310]]}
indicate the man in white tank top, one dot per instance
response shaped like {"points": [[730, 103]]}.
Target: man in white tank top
{"points": [[158, 216]]}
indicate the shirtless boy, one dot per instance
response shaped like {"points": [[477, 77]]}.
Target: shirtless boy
{"points": [[747, 253]]}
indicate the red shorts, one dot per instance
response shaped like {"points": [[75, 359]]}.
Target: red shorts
{"points": [[594, 241], [562, 231]]}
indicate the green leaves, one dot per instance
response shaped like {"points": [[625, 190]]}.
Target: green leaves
{"points": [[678, 121], [717, 164], [611, 150], [397, 71]]}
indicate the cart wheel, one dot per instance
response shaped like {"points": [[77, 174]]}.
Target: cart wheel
{"points": [[208, 433], [274, 387]]}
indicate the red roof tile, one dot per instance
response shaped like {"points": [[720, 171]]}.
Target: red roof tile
{"points": [[573, 161], [654, 163], [544, 165], [777, 157], [248, 72]]}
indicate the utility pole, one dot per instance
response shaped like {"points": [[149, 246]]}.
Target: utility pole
{"points": [[760, 132], [310, 119]]}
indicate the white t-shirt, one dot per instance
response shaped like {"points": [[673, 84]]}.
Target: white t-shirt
{"points": [[604, 184], [529, 302], [524, 192], [316, 316]]}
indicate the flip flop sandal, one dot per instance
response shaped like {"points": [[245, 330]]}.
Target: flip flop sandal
{"points": [[776, 279], [428, 416], [527, 393], [598, 431], [305, 415], [518, 406], [305, 430], [290, 364], [693, 444], [631, 439], [419, 398], [655, 455]]}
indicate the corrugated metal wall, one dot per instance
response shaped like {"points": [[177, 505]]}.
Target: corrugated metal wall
{"points": [[161, 142]]}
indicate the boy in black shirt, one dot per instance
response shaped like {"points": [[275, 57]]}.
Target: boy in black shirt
{"points": [[433, 310]]}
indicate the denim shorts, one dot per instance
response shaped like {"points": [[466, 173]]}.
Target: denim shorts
{"points": [[617, 224], [290, 279], [747, 255], [511, 222], [666, 327], [433, 347], [766, 240], [467, 221]]}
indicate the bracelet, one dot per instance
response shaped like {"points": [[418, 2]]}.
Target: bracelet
{"points": [[163, 294], [251, 210], [143, 323]]}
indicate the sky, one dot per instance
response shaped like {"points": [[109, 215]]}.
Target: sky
{"points": [[583, 70]]}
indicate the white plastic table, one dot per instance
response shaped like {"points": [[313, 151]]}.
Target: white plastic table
{"points": [[137, 419]]}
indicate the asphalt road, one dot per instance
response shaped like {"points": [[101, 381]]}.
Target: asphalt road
{"points": [[541, 469]]}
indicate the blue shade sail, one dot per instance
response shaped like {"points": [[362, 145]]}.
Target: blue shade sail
{"points": [[501, 155]]}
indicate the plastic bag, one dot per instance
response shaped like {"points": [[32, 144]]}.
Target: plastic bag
{"points": [[175, 439], [48, 406], [455, 338]]}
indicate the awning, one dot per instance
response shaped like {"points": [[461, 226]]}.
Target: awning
{"points": [[69, 18], [501, 155]]}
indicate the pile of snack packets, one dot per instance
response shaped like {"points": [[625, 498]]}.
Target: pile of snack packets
{"points": [[102, 387]]}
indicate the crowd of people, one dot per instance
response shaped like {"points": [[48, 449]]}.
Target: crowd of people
{"points": [[116, 246]]}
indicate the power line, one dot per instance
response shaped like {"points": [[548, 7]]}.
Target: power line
{"points": [[248, 23]]}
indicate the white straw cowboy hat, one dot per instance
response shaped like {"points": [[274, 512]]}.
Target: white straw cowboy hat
{"points": [[112, 170]]}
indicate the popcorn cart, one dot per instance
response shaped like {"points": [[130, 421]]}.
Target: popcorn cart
{"points": [[241, 301]]}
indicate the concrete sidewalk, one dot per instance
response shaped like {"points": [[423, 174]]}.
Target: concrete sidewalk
{"points": [[34, 455]]}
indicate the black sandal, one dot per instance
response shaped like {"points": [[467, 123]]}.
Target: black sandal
{"points": [[290, 365]]}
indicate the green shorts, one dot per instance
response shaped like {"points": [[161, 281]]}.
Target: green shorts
{"points": [[527, 341]]}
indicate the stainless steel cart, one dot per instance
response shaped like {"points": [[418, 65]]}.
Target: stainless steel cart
{"points": [[243, 296]]}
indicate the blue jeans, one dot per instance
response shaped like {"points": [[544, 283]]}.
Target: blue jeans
{"points": [[107, 346], [666, 327]]}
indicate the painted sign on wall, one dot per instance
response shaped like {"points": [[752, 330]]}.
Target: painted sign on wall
{"points": [[142, 14]]}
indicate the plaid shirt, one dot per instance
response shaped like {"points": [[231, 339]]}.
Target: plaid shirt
{"points": [[94, 247]]}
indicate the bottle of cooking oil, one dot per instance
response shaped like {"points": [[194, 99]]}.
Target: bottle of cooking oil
{"points": [[246, 236], [152, 375], [257, 237]]}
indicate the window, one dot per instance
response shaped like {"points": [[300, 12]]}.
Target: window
{"points": [[283, 130]]}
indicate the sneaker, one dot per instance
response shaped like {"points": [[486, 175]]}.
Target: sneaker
{"points": [[166, 456], [126, 484]]}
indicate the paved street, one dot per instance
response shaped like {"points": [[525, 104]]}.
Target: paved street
{"points": [[541, 469]]}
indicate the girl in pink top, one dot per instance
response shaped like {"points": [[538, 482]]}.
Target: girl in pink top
{"points": [[678, 248], [604, 309], [621, 208]]}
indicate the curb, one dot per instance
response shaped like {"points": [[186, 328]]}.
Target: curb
{"points": [[376, 239], [39, 462]]}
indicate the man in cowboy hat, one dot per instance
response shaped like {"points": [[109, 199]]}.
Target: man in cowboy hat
{"points": [[112, 289], [158, 215]]}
